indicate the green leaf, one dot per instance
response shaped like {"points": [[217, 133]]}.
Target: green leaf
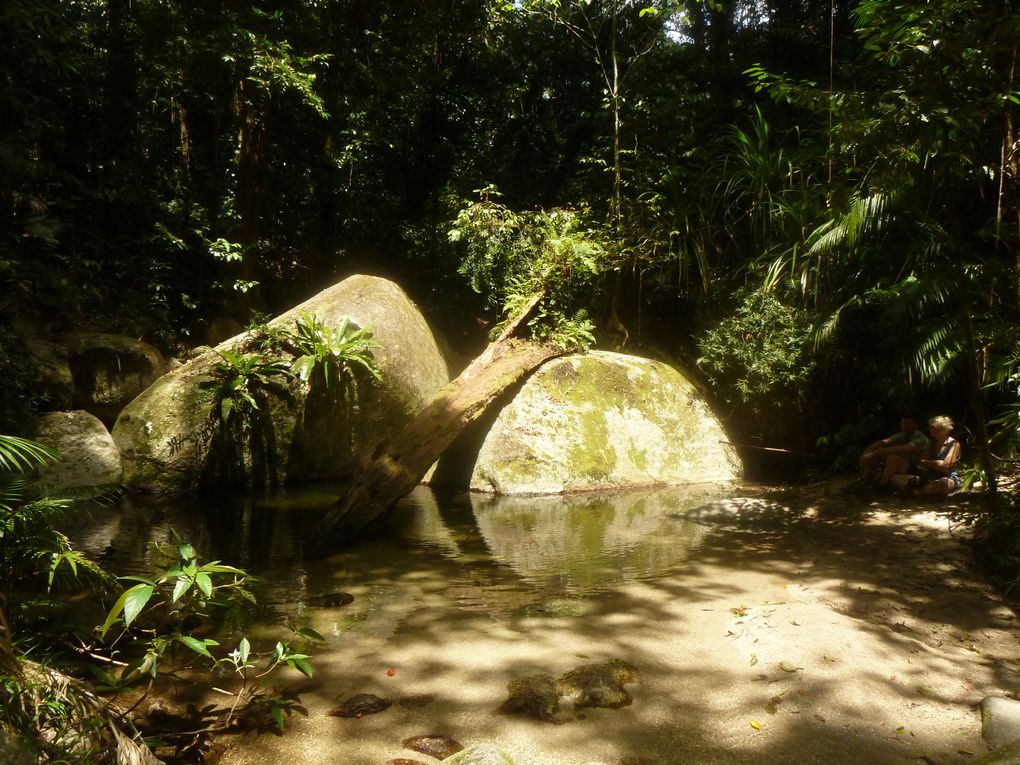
{"points": [[277, 713], [308, 632], [182, 586], [204, 583], [215, 567], [243, 649], [301, 664], [135, 600], [198, 646]]}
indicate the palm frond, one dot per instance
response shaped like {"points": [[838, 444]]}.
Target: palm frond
{"points": [[21, 454]]}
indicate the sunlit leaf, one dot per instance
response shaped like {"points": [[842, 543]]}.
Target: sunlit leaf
{"points": [[182, 586], [198, 646], [204, 583], [135, 599], [308, 632]]}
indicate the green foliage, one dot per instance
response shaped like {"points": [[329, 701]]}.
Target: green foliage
{"points": [[331, 356], [510, 257], [758, 359], [150, 618], [31, 546], [53, 716], [239, 384]]}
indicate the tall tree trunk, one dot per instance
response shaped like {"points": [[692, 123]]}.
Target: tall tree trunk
{"points": [[394, 469]]}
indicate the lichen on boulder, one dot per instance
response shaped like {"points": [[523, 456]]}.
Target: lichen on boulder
{"points": [[601, 421], [165, 435]]}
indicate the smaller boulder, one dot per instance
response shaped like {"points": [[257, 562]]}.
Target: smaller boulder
{"points": [[89, 464]]}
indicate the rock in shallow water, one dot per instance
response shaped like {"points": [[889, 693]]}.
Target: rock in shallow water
{"points": [[361, 704], [331, 600], [480, 754], [603, 421], [591, 685], [437, 746]]}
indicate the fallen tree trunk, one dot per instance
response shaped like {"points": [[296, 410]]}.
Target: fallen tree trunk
{"points": [[395, 468]]}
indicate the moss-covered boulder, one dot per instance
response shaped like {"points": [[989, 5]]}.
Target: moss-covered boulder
{"points": [[170, 436], [599, 421]]}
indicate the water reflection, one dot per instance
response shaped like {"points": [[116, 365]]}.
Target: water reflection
{"points": [[495, 554], [585, 543]]}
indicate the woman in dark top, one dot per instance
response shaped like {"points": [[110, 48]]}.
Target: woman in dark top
{"points": [[937, 473]]}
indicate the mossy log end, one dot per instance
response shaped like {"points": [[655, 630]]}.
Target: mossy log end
{"points": [[395, 468]]}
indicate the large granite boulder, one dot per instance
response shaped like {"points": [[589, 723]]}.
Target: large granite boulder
{"points": [[109, 371], [167, 434], [89, 463], [601, 421]]}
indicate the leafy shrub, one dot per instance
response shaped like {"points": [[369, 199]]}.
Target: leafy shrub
{"points": [[509, 257], [757, 360], [152, 617]]}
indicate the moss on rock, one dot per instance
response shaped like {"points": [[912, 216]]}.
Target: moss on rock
{"points": [[603, 420]]}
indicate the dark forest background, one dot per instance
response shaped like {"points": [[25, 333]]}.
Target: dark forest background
{"points": [[810, 207]]}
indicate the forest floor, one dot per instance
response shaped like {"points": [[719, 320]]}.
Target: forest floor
{"points": [[854, 631]]}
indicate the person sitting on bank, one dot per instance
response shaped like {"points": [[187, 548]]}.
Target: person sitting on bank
{"points": [[898, 454], [936, 474]]}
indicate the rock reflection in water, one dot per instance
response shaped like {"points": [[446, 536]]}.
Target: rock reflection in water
{"points": [[583, 543]]}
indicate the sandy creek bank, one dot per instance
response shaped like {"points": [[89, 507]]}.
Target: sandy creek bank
{"points": [[852, 632]]}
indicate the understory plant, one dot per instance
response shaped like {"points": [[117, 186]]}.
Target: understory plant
{"points": [[758, 361], [512, 256], [55, 717], [146, 633], [333, 363]]}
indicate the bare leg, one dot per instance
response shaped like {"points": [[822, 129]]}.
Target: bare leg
{"points": [[894, 465]]}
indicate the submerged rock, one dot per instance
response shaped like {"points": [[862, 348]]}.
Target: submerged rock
{"points": [[599, 685], [590, 685], [480, 754], [416, 701], [603, 420], [361, 704], [331, 600], [167, 434], [534, 695], [438, 746]]}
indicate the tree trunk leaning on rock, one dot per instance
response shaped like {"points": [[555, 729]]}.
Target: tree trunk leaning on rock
{"points": [[393, 469]]}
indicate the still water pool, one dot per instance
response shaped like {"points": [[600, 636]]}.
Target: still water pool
{"points": [[494, 554]]}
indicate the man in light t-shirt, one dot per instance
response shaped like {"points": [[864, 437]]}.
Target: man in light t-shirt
{"points": [[898, 453]]}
